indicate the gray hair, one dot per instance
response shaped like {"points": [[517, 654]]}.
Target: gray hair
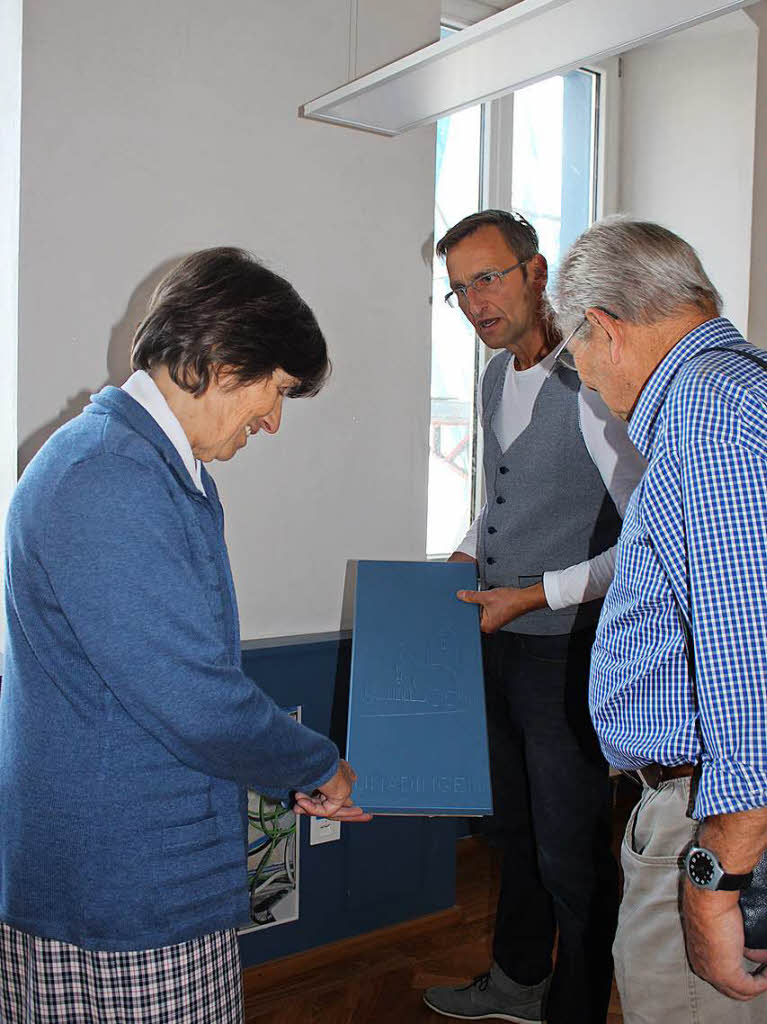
{"points": [[639, 271]]}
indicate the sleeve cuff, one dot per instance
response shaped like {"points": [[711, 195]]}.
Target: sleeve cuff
{"points": [[553, 591], [325, 777], [727, 787]]}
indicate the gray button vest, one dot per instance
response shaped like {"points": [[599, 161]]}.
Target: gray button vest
{"points": [[547, 506]]}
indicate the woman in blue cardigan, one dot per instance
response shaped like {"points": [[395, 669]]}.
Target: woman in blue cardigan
{"points": [[128, 732]]}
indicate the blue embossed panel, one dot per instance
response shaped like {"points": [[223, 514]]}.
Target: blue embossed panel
{"points": [[417, 734]]}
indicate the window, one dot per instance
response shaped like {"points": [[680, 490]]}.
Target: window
{"points": [[549, 174], [454, 353], [553, 175]]}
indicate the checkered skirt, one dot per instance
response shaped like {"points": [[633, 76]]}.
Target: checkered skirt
{"points": [[43, 981]]}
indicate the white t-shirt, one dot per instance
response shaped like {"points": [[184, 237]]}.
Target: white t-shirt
{"points": [[607, 442], [143, 389]]}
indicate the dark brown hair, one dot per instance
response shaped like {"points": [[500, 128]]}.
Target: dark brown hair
{"points": [[516, 229], [223, 308]]}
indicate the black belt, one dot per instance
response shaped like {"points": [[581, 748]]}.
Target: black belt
{"points": [[654, 774]]}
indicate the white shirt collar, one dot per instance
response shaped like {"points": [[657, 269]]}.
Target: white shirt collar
{"points": [[143, 389]]}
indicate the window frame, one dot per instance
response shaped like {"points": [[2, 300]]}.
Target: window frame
{"points": [[496, 159]]}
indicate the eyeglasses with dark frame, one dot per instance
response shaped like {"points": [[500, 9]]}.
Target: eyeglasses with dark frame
{"points": [[486, 282]]}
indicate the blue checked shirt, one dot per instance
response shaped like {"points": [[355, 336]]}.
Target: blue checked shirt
{"points": [[697, 522]]}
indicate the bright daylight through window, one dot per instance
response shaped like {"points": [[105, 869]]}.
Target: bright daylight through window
{"points": [[552, 181]]}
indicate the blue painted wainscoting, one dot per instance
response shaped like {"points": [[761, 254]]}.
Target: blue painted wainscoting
{"points": [[390, 870]]}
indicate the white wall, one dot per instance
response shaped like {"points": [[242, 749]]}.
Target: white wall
{"points": [[10, 144], [150, 130], [687, 154], [757, 321]]}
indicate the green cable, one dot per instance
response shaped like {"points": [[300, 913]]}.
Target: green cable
{"points": [[269, 823]]}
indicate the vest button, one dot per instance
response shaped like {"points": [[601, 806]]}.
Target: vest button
{"points": [[500, 501], [491, 561], [491, 529], [504, 469]]}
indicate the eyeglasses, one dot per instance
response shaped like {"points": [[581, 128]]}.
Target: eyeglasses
{"points": [[564, 355], [487, 282]]}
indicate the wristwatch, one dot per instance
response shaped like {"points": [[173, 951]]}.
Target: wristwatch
{"points": [[704, 870]]}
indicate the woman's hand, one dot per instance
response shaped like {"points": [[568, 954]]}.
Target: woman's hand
{"points": [[333, 798]]}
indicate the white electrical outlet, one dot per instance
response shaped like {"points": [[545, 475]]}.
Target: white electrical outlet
{"points": [[323, 830]]}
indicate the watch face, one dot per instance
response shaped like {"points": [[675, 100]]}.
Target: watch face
{"points": [[701, 868]]}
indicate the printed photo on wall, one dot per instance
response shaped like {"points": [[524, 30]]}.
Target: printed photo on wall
{"points": [[273, 842]]}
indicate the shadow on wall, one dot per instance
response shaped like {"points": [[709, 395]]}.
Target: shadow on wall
{"points": [[427, 252], [118, 363]]}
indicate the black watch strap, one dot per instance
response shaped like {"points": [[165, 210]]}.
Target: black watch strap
{"points": [[733, 883]]}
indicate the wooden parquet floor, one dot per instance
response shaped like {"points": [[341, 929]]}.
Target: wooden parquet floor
{"points": [[379, 978]]}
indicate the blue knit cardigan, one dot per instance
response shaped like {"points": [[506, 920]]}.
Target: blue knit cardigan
{"points": [[128, 732]]}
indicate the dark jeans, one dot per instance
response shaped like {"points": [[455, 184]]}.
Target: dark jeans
{"points": [[552, 811]]}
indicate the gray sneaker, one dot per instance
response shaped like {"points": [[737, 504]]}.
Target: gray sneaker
{"points": [[491, 996]]}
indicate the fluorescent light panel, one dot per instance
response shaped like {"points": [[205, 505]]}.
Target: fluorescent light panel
{"points": [[523, 44]]}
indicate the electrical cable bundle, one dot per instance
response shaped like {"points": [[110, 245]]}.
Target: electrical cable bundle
{"points": [[273, 876]]}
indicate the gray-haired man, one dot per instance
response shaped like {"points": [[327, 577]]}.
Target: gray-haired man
{"points": [[691, 571]]}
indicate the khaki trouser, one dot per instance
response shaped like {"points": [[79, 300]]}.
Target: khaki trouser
{"points": [[655, 981]]}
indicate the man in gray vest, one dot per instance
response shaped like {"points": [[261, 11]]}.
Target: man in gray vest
{"points": [[559, 471]]}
